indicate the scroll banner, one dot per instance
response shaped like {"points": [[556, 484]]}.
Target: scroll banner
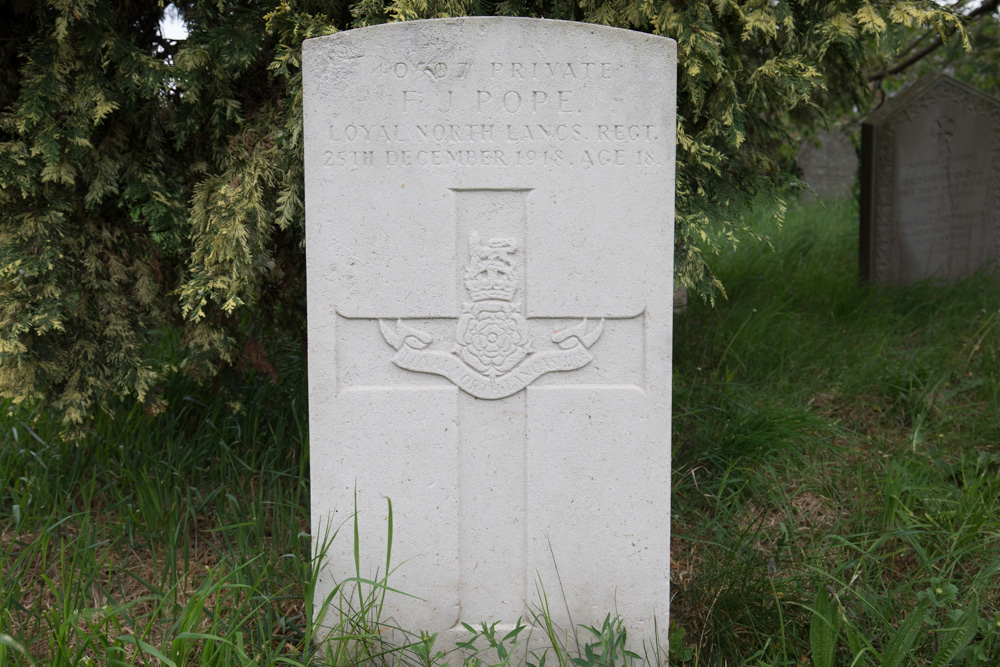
{"points": [[412, 357]]}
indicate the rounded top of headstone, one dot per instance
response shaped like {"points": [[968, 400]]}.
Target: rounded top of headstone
{"points": [[928, 88], [464, 25]]}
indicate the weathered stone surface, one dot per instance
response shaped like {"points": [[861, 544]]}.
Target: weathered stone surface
{"points": [[829, 164], [680, 300], [930, 184], [490, 238]]}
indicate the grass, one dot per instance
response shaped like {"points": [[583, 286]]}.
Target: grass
{"points": [[836, 496], [153, 530], [836, 439]]}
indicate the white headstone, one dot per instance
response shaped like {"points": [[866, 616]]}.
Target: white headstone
{"points": [[489, 209]]}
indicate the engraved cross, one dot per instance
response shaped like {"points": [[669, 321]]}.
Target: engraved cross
{"points": [[494, 354]]}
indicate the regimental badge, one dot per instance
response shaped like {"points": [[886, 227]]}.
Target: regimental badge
{"points": [[492, 335], [493, 355]]}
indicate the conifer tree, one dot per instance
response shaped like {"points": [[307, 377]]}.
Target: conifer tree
{"points": [[151, 217]]}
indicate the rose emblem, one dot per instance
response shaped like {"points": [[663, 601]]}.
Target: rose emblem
{"points": [[492, 337]]}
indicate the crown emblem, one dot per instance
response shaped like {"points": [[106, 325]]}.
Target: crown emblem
{"points": [[491, 274]]}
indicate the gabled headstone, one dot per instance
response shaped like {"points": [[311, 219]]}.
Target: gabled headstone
{"points": [[930, 184], [829, 164], [489, 207]]}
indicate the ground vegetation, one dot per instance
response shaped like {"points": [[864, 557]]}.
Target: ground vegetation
{"points": [[835, 495]]}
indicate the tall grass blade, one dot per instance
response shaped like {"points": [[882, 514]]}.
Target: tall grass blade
{"points": [[357, 551], [147, 648], [13, 645], [562, 591], [388, 556]]}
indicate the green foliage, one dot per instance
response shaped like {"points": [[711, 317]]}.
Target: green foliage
{"points": [[678, 649], [502, 643], [799, 484], [848, 434], [924, 51], [899, 650], [823, 629], [152, 189]]}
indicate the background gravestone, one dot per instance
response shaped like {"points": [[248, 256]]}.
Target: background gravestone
{"points": [[930, 184], [829, 164], [489, 208]]}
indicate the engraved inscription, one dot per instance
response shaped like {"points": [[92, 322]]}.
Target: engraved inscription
{"points": [[942, 199], [938, 190], [517, 71], [493, 355], [935, 175], [494, 115]]}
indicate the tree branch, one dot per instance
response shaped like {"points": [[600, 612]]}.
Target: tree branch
{"points": [[977, 13]]}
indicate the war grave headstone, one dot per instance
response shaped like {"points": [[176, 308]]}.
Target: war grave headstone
{"points": [[489, 206], [930, 184], [829, 164]]}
